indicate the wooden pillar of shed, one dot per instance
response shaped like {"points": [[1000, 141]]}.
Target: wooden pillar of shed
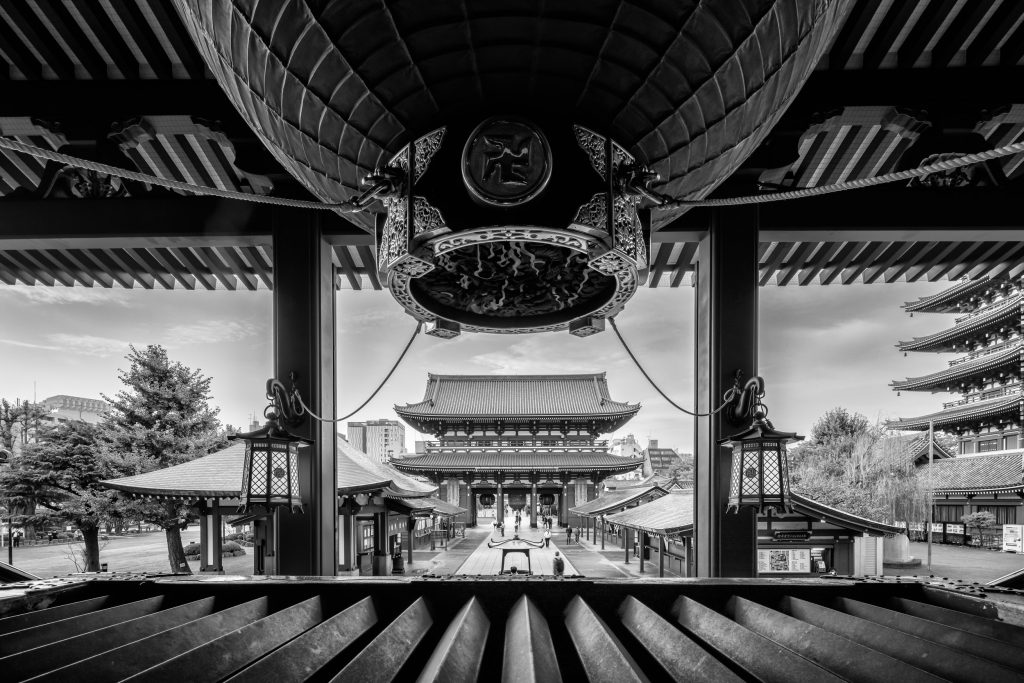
{"points": [[662, 549], [726, 331], [641, 546], [602, 532], [304, 344]]}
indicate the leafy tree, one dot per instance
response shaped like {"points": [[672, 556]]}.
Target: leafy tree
{"points": [[161, 418], [60, 472], [856, 466], [8, 419], [980, 521]]}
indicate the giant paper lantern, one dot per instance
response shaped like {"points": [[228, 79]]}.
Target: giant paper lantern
{"points": [[515, 134]]}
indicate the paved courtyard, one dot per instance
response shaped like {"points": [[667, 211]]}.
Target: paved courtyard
{"points": [[147, 552]]}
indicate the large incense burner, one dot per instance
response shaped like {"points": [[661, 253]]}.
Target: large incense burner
{"points": [[544, 233], [513, 141]]}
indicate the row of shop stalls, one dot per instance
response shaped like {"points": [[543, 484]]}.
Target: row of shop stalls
{"points": [[653, 527], [967, 484], [383, 514]]}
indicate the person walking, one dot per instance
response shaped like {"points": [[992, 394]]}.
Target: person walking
{"points": [[577, 533], [559, 565], [568, 535], [547, 538]]}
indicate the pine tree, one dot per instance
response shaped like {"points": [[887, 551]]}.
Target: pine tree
{"points": [[60, 472], [161, 418]]}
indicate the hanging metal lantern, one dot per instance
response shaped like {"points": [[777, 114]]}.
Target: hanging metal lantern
{"points": [[487, 499], [760, 468], [547, 499], [270, 471], [515, 166], [517, 501]]}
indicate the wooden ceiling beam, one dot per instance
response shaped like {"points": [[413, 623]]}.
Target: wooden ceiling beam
{"points": [[864, 259], [114, 265], [927, 24], [11, 271], [934, 257], [143, 35], [983, 253], [995, 29], [169, 260], [220, 270], [196, 268], [41, 39], [178, 37], [818, 260], [113, 42], [1013, 256], [850, 34], [260, 265], [348, 267], [956, 34], [90, 264], [239, 267], [772, 263], [914, 253], [71, 33], [846, 254], [369, 265], [881, 43], [153, 267], [60, 259], [12, 46], [793, 264], [891, 256]]}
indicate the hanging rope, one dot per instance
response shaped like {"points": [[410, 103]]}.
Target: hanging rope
{"points": [[419, 326], [664, 201], [727, 399], [350, 206]]}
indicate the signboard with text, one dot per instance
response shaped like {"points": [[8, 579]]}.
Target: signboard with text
{"points": [[784, 561]]}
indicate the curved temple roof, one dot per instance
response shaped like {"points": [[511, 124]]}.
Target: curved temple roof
{"points": [[673, 514], [517, 396], [943, 340], [942, 380], [998, 472], [219, 475], [963, 414], [613, 500], [946, 301]]}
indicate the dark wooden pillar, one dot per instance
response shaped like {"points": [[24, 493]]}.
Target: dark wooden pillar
{"points": [[304, 343], [380, 543], [602, 532], [662, 549], [533, 503], [641, 545], [499, 504], [726, 330]]}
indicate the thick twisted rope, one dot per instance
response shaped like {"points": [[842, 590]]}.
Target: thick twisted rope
{"points": [[667, 202], [727, 399], [350, 206], [419, 326], [662, 201]]}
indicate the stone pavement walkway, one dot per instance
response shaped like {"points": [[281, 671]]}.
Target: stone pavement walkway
{"points": [[486, 560]]}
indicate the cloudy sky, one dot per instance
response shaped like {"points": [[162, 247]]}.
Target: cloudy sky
{"points": [[820, 347]]}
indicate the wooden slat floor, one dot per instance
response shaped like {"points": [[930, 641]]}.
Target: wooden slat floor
{"points": [[515, 628]]}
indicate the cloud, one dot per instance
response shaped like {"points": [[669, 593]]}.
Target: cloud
{"points": [[209, 332], [29, 345], [543, 354], [69, 295], [88, 345]]}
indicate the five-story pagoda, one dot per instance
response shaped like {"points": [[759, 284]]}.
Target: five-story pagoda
{"points": [[530, 440], [989, 410]]}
